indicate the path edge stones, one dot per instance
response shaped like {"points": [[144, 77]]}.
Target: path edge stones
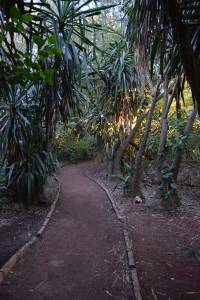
{"points": [[128, 243], [12, 261]]}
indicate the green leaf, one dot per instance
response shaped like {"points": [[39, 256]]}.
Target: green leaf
{"points": [[41, 74], [31, 64], [10, 27], [27, 18], [173, 186], [167, 175], [43, 54], [38, 40], [20, 27], [1, 38], [94, 11], [16, 55], [49, 51], [52, 40], [35, 77], [15, 14], [57, 51], [48, 76]]}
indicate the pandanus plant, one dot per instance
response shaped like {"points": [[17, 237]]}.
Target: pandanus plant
{"points": [[166, 36], [42, 45]]}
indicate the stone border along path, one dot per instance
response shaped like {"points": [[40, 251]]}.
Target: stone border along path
{"points": [[129, 247], [10, 264], [77, 257]]}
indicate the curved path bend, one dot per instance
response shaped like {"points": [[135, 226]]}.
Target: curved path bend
{"points": [[81, 255]]}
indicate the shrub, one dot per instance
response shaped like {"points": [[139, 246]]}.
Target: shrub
{"points": [[70, 147], [27, 176]]}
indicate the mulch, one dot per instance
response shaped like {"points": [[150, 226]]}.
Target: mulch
{"points": [[166, 242], [18, 223]]}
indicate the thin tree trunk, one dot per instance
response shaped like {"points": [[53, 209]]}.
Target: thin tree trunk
{"points": [[115, 168], [164, 126], [191, 68], [178, 157], [125, 143], [135, 184], [164, 129]]}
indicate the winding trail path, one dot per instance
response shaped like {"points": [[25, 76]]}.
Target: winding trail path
{"points": [[81, 255]]}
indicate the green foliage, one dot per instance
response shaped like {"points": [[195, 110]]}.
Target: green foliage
{"points": [[152, 145], [176, 142], [27, 176], [192, 253], [175, 137], [195, 155], [42, 46], [161, 48], [125, 180], [50, 72], [25, 163], [119, 77], [70, 147], [167, 185], [193, 144]]}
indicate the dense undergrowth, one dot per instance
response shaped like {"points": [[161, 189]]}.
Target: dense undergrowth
{"points": [[71, 147], [77, 83]]}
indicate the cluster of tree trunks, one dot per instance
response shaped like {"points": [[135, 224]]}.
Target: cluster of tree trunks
{"points": [[191, 69], [148, 115]]}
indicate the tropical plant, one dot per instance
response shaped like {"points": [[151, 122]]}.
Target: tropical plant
{"points": [[124, 180], [167, 31], [70, 146], [164, 36], [116, 99], [167, 185], [119, 77], [42, 48]]}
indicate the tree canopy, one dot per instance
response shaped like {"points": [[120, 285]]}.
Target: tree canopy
{"points": [[118, 71]]}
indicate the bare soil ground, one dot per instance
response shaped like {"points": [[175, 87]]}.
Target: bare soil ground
{"points": [[81, 255], [19, 224], [166, 242]]}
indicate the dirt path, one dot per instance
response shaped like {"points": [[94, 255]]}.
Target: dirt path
{"points": [[81, 255]]}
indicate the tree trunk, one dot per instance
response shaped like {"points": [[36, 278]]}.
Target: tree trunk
{"points": [[178, 157], [125, 143], [135, 184], [164, 126], [191, 68], [164, 129], [115, 168]]}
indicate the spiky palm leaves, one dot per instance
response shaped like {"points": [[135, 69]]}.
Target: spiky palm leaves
{"points": [[44, 66], [118, 75], [167, 35]]}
